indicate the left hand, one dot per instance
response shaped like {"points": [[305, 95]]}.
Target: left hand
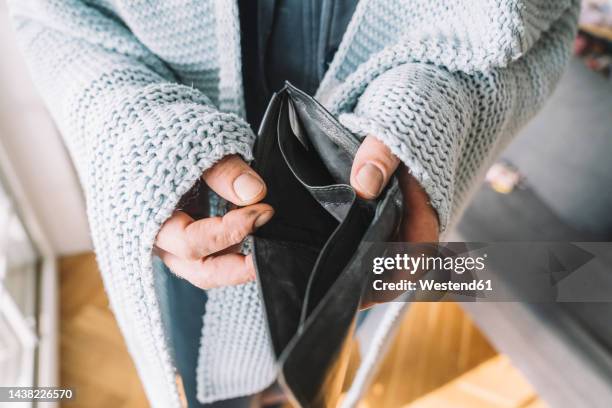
{"points": [[372, 168]]}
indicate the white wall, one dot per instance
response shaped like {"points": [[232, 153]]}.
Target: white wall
{"points": [[36, 152]]}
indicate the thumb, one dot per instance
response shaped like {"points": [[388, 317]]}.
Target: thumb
{"points": [[373, 166], [235, 181]]}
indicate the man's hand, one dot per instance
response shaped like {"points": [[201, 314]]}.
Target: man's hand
{"points": [[203, 251], [373, 166]]}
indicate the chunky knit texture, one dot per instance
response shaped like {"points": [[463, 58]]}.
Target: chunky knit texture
{"points": [[149, 94]]}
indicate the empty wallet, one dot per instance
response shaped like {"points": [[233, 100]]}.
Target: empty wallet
{"points": [[310, 257]]}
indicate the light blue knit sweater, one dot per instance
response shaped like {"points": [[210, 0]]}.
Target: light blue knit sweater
{"points": [[148, 95]]}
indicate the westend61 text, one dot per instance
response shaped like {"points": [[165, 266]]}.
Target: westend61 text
{"points": [[433, 285]]}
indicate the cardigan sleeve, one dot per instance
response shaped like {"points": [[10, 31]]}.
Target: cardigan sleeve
{"points": [[138, 137], [447, 123], [139, 140]]}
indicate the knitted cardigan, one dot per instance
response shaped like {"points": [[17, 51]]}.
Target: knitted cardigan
{"points": [[148, 95]]}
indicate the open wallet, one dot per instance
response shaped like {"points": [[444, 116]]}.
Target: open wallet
{"points": [[309, 258]]}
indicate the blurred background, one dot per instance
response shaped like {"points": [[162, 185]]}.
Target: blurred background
{"points": [[553, 183]]}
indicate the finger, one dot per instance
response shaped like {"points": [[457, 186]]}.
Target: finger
{"points": [[373, 166], [228, 269], [420, 221], [192, 240], [212, 272], [171, 235], [235, 181], [211, 235]]}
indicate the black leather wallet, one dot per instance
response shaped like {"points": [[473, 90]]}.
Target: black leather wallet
{"points": [[309, 257]]}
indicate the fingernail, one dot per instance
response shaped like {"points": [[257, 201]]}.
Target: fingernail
{"points": [[247, 187], [263, 218], [370, 179]]}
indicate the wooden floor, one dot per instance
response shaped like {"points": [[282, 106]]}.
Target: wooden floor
{"points": [[436, 343], [494, 383], [437, 352], [94, 359]]}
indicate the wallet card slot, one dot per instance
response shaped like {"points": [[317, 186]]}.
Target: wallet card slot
{"points": [[337, 200], [308, 168], [305, 164], [298, 216], [334, 143]]}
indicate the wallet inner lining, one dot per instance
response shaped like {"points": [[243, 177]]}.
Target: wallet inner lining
{"points": [[299, 216], [310, 207]]}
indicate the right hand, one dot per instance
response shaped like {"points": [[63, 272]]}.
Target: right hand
{"points": [[204, 251]]}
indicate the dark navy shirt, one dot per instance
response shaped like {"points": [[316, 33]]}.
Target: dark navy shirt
{"points": [[287, 40]]}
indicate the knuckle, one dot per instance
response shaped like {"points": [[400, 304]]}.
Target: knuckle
{"points": [[234, 230], [190, 253], [218, 241], [190, 249], [233, 236]]}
